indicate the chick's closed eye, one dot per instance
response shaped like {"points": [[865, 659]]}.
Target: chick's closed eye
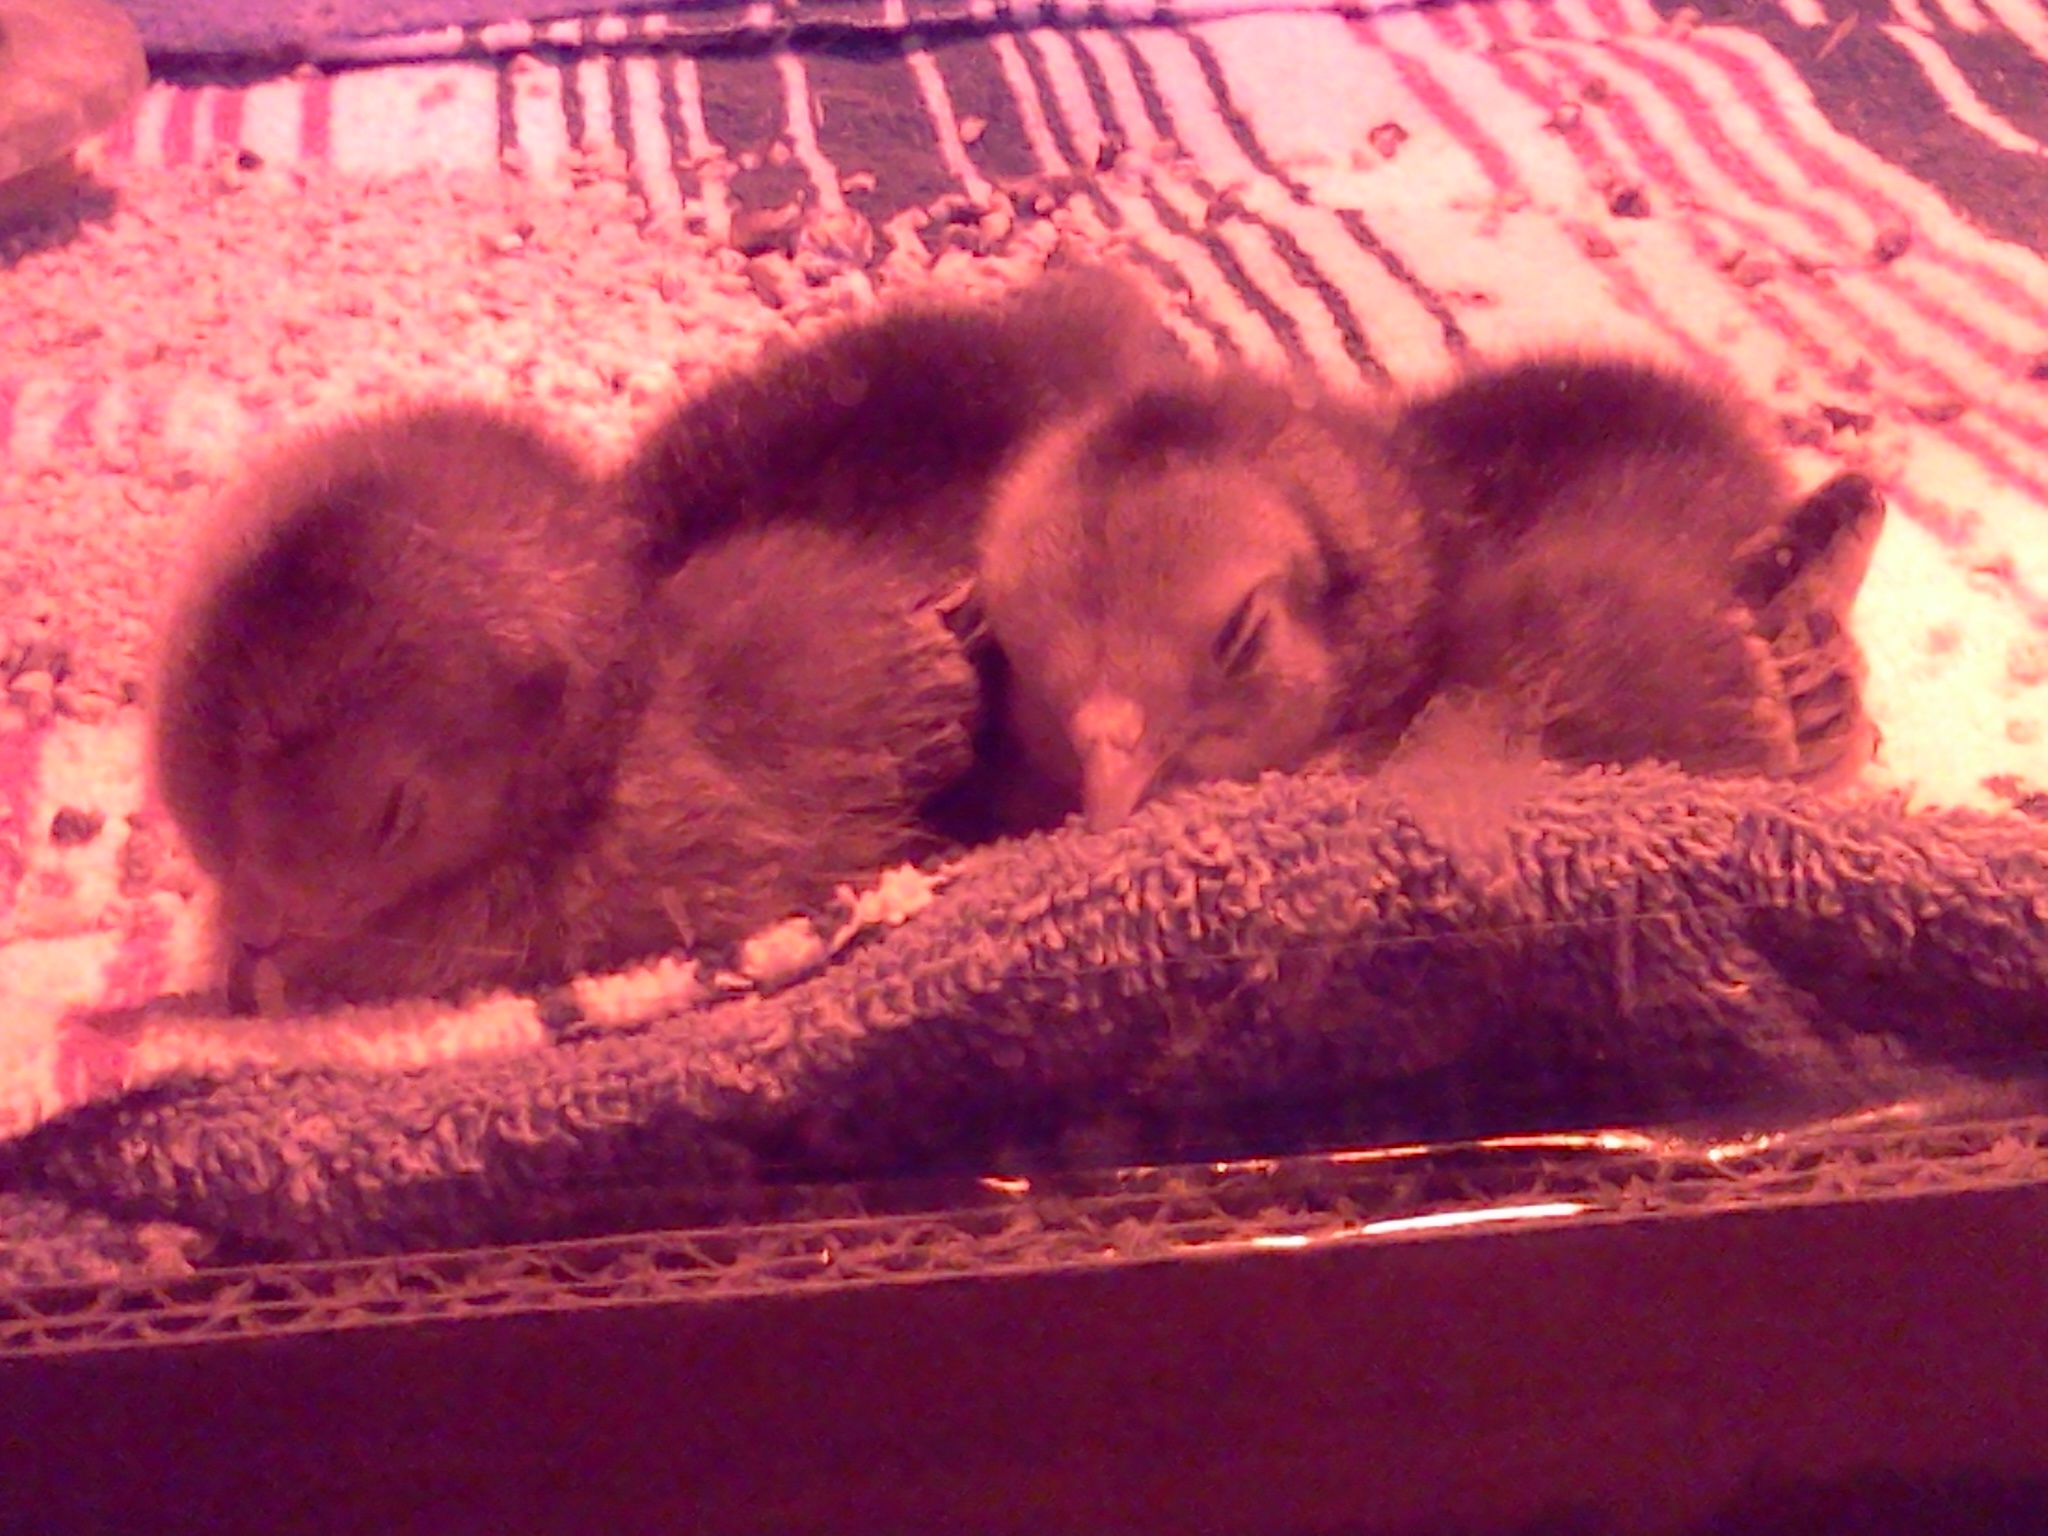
{"points": [[401, 818], [1241, 640]]}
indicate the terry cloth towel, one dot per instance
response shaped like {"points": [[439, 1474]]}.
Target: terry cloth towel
{"points": [[1275, 964]]}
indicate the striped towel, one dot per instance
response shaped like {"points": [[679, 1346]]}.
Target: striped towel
{"points": [[1376, 191]]}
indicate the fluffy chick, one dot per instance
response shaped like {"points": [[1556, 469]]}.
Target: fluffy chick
{"points": [[811, 709], [432, 728], [893, 427], [892, 424], [1629, 573], [1513, 448], [1209, 578], [1218, 577], [398, 688]]}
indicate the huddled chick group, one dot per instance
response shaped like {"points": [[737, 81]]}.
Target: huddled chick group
{"points": [[450, 710]]}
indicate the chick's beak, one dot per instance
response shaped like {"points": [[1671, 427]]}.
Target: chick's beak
{"points": [[1118, 762]]}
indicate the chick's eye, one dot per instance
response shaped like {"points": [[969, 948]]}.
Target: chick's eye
{"points": [[1242, 638], [399, 816]]}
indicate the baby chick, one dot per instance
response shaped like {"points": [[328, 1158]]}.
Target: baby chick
{"points": [[398, 689], [892, 424], [1209, 578], [1629, 573], [892, 428], [1217, 577], [810, 709], [432, 728]]}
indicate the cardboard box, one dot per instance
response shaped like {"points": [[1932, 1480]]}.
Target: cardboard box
{"points": [[1846, 1333]]}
